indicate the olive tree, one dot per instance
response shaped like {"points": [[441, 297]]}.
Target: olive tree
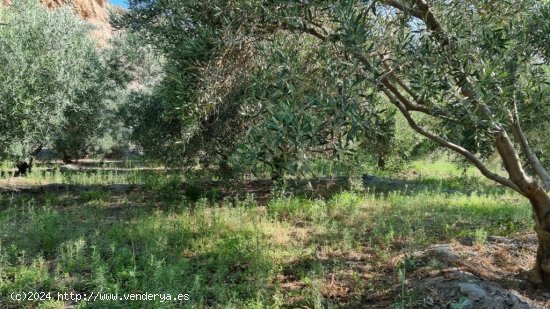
{"points": [[193, 112], [53, 83], [232, 97], [94, 125], [475, 70]]}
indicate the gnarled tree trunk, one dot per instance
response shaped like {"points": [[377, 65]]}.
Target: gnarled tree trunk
{"points": [[22, 169], [381, 161], [540, 274], [66, 158], [537, 195]]}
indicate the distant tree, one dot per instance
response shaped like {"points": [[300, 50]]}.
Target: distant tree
{"points": [[94, 124], [139, 112], [54, 83], [190, 115], [226, 92]]}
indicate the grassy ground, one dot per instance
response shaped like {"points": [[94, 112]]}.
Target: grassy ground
{"points": [[136, 232]]}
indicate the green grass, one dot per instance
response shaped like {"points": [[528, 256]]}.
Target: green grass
{"points": [[232, 255]]}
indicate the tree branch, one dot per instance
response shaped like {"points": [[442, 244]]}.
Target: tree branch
{"points": [[504, 145], [532, 158], [386, 82], [303, 28], [418, 105], [402, 84], [404, 8], [449, 145]]}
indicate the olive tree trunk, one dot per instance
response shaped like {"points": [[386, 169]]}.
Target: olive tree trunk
{"points": [[537, 194], [25, 167], [540, 274], [67, 159]]}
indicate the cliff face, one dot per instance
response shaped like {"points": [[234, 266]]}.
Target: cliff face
{"points": [[95, 12]]}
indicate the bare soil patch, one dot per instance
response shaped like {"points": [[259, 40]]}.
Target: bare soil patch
{"points": [[453, 275]]}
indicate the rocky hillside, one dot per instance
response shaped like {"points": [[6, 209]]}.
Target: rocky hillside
{"points": [[95, 12]]}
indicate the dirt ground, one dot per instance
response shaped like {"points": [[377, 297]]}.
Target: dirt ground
{"points": [[469, 275]]}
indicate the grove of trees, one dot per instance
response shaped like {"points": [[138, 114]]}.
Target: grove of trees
{"points": [[241, 84], [298, 77]]}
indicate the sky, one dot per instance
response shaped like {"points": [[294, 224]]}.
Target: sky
{"points": [[121, 3]]}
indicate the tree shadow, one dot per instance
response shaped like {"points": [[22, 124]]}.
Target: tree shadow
{"points": [[452, 185], [136, 250], [327, 187], [347, 280]]}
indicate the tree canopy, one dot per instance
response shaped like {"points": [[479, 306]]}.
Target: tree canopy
{"points": [[57, 87], [298, 76]]}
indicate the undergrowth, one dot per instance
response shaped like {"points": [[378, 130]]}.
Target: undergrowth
{"points": [[231, 254]]}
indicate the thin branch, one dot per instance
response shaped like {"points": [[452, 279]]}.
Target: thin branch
{"points": [[324, 150], [402, 84], [404, 8], [419, 105], [303, 28], [411, 106], [384, 81], [532, 158], [316, 24]]}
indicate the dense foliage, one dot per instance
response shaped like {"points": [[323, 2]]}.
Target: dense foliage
{"points": [[293, 77], [240, 97], [57, 88]]}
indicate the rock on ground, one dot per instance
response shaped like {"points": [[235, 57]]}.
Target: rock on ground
{"points": [[460, 289], [453, 287]]}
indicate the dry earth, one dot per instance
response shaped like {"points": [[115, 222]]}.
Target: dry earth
{"points": [[95, 12], [469, 275]]}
